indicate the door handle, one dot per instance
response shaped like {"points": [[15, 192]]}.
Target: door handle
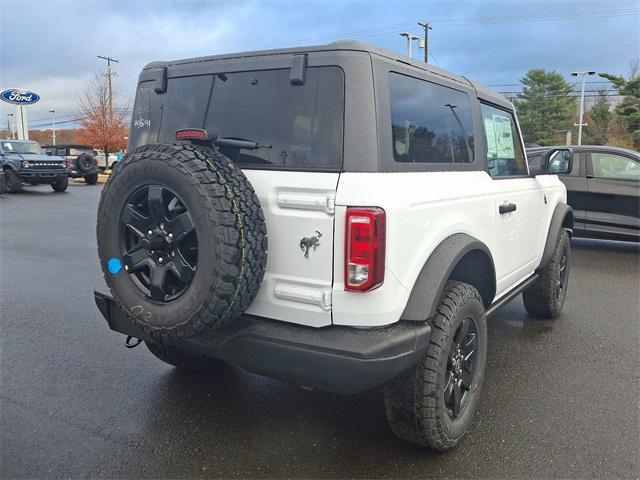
{"points": [[507, 207]]}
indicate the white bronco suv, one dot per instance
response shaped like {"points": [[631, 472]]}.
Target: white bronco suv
{"points": [[399, 211]]}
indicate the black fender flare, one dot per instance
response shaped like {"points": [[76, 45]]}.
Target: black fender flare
{"points": [[437, 270], [11, 166], [562, 218]]}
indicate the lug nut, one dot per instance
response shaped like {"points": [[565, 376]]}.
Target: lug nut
{"points": [[162, 226], [150, 232], [160, 260], [173, 254], [171, 236]]}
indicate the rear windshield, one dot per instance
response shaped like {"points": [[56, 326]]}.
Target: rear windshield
{"points": [[298, 127]]}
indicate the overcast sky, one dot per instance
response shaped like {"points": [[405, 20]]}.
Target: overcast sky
{"points": [[50, 46]]}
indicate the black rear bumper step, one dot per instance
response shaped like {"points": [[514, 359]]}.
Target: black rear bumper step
{"points": [[335, 358]]}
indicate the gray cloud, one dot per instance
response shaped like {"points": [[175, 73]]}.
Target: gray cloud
{"points": [[54, 53]]}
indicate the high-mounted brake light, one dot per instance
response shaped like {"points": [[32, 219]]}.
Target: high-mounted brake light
{"points": [[364, 248], [191, 134]]}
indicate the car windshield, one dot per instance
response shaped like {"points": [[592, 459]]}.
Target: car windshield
{"points": [[21, 147]]}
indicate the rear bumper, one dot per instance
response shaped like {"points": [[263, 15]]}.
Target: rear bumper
{"points": [[336, 358]]}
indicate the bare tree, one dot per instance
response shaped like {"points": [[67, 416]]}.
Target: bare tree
{"points": [[633, 69], [100, 127]]}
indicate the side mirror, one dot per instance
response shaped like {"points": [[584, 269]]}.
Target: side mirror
{"points": [[558, 161]]}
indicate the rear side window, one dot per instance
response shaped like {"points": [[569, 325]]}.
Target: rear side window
{"points": [[430, 123], [297, 126], [504, 150]]}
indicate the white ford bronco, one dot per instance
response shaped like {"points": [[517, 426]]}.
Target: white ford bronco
{"points": [[339, 217]]}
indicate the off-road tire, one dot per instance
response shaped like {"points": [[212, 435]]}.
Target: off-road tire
{"points": [[182, 360], [91, 179], [85, 163], [12, 181], [231, 233], [414, 401], [60, 185], [3, 186], [545, 297]]}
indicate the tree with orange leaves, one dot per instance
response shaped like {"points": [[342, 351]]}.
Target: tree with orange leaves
{"points": [[101, 126]]}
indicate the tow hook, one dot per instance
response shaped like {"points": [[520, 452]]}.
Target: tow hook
{"points": [[132, 342]]}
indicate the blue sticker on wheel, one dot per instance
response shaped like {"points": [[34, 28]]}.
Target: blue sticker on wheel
{"points": [[114, 265]]}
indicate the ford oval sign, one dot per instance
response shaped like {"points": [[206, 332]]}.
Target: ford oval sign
{"points": [[19, 97]]}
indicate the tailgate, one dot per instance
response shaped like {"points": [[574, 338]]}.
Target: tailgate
{"points": [[299, 214]]}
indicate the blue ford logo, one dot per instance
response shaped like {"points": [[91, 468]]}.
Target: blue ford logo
{"points": [[19, 97]]}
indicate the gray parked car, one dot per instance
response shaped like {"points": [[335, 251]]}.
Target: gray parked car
{"points": [[22, 162]]}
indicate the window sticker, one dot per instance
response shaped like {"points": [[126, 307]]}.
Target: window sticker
{"points": [[490, 132], [504, 137]]}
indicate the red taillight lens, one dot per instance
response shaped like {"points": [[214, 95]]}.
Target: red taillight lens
{"points": [[364, 248], [191, 134]]}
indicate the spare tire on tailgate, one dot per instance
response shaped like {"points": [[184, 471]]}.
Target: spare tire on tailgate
{"points": [[85, 163], [189, 232]]}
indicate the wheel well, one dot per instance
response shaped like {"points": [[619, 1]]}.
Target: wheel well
{"points": [[567, 221], [477, 269]]}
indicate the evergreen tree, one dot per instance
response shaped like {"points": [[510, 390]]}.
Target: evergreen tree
{"points": [[545, 107], [600, 118], [628, 110]]}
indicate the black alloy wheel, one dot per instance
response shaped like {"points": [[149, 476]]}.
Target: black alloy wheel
{"points": [[563, 276], [158, 242], [461, 368]]}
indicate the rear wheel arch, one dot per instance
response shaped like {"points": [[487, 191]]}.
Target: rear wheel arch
{"points": [[459, 257]]}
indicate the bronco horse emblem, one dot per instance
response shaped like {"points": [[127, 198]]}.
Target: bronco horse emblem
{"points": [[307, 243]]}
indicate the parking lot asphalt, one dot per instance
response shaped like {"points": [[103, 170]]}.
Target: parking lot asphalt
{"points": [[561, 398]]}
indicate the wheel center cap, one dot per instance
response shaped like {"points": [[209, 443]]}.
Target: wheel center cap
{"points": [[157, 241]]}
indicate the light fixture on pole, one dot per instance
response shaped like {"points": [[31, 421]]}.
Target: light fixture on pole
{"points": [[581, 123], [410, 37], [53, 134]]}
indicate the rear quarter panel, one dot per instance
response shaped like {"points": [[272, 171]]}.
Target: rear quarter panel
{"points": [[422, 209]]}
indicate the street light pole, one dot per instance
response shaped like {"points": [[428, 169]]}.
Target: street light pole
{"points": [[410, 37], [10, 124], [54, 126], [581, 123]]}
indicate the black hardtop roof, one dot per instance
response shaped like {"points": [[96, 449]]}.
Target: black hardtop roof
{"points": [[68, 145], [585, 147], [345, 45]]}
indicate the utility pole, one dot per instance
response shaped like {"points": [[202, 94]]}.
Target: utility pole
{"points": [[426, 28], [109, 60], [410, 37], [584, 76], [53, 135]]}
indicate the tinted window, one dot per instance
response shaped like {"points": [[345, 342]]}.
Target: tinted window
{"points": [[298, 125], [504, 150], [610, 165], [80, 151], [430, 123]]}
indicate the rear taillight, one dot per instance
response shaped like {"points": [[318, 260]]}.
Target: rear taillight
{"points": [[364, 248]]}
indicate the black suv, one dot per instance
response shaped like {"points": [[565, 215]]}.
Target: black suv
{"points": [[22, 161], [80, 159], [603, 188]]}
